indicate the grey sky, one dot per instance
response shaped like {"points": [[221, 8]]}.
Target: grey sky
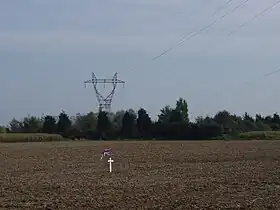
{"points": [[49, 47]]}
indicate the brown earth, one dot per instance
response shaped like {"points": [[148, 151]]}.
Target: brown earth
{"points": [[162, 175]]}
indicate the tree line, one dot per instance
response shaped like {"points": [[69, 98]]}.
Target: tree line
{"points": [[172, 124]]}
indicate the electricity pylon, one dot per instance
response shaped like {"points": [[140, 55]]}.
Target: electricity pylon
{"points": [[104, 102]]}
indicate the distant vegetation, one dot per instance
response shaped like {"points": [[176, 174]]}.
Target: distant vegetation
{"points": [[172, 124], [29, 137], [260, 135]]}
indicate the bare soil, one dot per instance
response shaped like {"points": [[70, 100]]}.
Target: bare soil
{"points": [[157, 175]]}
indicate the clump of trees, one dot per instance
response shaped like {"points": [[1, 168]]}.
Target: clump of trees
{"points": [[172, 124]]}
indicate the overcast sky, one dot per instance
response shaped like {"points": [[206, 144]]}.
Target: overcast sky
{"points": [[49, 47]]}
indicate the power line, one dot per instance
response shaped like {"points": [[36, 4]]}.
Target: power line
{"points": [[259, 78], [221, 7], [217, 93], [267, 9], [192, 34], [244, 83], [188, 34], [271, 73]]}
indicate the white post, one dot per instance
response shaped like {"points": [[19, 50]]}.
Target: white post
{"points": [[110, 161]]}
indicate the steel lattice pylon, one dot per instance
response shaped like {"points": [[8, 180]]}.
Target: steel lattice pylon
{"points": [[104, 102]]}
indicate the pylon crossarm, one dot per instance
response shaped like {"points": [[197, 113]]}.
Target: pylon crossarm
{"points": [[104, 102], [88, 81]]}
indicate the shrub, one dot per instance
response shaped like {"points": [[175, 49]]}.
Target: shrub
{"points": [[29, 137], [260, 135], [2, 129]]}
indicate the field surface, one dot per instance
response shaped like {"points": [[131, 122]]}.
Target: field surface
{"points": [[157, 175]]}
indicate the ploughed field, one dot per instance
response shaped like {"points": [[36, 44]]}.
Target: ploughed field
{"points": [[161, 175]]}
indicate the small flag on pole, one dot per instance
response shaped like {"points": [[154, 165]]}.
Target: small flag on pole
{"points": [[106, 152]]}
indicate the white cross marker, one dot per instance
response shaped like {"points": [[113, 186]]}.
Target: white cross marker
{"points": [[110, 161]]}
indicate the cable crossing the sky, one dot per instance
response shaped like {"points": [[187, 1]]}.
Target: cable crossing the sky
{"points": [[193, 34], [267, 9], [222, 7]]}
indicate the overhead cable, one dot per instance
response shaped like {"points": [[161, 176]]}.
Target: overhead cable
{"points": [[258, 15], [193, 34], [221, 7], [267, 9]]}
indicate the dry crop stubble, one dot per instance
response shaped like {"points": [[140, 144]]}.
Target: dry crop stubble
{"points": [[168, 175]]}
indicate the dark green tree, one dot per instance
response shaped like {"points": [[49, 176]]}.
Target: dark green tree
{"points": [[176, 116], [173, 123], [16, 126], [32, 124], [247, 123], [64, 124], [128, 124], [49, 124], [182, 108], [223, 118], [247, 117], [86, 123], [144, 123], [259, 118], [179, 114], [117, 120], [165, 114], [275, 122], [103, 125]]}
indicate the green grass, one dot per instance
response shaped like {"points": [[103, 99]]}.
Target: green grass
{"points": [[260, 135], [29, 137], [41, 137]]}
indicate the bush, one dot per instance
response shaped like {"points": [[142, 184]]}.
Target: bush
{"points": [[260, 135], [29, 137], [2, 129]]}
